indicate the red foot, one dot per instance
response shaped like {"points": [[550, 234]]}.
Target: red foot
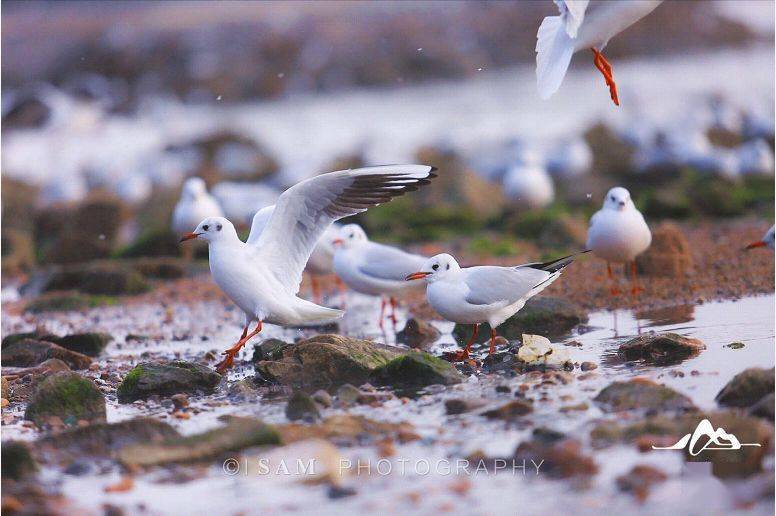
{"points": [[606, 70]]}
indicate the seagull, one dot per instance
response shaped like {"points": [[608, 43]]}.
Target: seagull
{"points": [[321, 260], [263, 278], [618, 233], [767, 241], [475, 295], [530, 185], [194, 205], [559, 37], [373, 269]]}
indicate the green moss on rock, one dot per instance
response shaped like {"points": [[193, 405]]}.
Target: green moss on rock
{"points": [[169, 378], [17, 462], [416, 369], [68, 396]]}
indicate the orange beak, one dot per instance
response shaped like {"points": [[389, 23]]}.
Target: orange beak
{"points": [[337, 241], [755, 244], [416, 275], [188, 236]]}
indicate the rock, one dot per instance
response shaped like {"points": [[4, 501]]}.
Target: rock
{"points": [[747, 388], [328, 463], [764, 408], [17, 462], [180, 401], [269, 349], [735, 345], [416, 369], [460, 406], [239, 433], [68, 396], [640, 480], [302, 406], [28, 112], [588, 366], [325, 361], [30, 352], [669, 254], [537, 351], [99, 278], [348, 429], [348, 394], [155, 242], [418, 334], [18, 251], [90, 344], [162, 268], [510, 411], [4, 390], [563, 232], [563, 458], [243, 389], [169, 378], [59, 302], [661, 348], [105, 440], [641, 394], [322, 398], [548, 316]]}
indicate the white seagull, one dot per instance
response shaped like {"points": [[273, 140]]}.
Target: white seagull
{"points": [[321, 260], [559, 37], [484, 294], [373, 269], [618, 233], [263, 278], [529, 185], [767, 241], [194, 205]]}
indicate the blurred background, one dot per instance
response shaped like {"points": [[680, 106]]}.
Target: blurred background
{"points": [[108, 106]]}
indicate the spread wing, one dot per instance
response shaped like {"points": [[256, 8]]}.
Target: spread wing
{"points": [[304, 212], [389, 263], [489, 285], [573, 14], [258, 224]]}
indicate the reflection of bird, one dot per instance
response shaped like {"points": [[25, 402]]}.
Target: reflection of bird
{"points": [[559, 37], [767, 241], [194, 205], [263, 278], [475, 295], [373, 269], [530, 185], [618, 233], [321, 260]]}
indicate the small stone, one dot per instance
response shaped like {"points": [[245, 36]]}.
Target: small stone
{"points": [[735, 345], [640, 480], [641, 394], [418, 334], [180, 400], [510, 410], [588, 366], [563, 458], [336, 492], [459, 406], [348, 394], [322, 398], [661, 348], [302, 406]]}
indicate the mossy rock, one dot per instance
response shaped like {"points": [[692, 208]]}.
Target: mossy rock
{"points": [[547, 316], [302, 406], [60, 302], [416, 369], [31, 352], [68, 396], [17, 461], [747, 388], [99, 278], [269, 349], [90, 344], [169, 378], [642, 394], [154, 242]]}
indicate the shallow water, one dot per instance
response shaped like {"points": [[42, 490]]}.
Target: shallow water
{"points": [[690, 488]]}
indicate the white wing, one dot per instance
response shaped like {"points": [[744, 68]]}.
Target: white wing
{"points": [[388, 263], [573, 14], [260, 220], [489, 285], [304, 212]]}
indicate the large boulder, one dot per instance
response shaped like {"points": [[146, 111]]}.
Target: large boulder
{"points": [[747, 388], [30, 352], [99, 278], [166, 379], [325, 361], [669, 254], [641, 394], [415, 370], [661, 348], [548, 316], [67, 396]]}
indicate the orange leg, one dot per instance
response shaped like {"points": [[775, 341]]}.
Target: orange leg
{"points": [[635, 289], [614, 290], [492, 341], [464, 354], [230, 353], [316, 289], [382, 311], [394, 304], [606, 70]]}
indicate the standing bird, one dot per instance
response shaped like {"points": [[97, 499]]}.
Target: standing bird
{"points": [[559, 37], [475, 295], [321, 260], [194, 205], [373, 269], [529, 186], [767, 241], [618, 233], [263, 278]]}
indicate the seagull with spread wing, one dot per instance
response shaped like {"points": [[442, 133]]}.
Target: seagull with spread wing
{"points": [[484, 294], [576, 29], [263, 278]]}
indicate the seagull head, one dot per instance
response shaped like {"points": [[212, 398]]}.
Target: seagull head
{"points": [[212, 229], [350, 236], [436, 268], [619, 199], [194, 187]]}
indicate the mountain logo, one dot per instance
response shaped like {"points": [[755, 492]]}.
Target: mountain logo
{"points": [[717, 440]]}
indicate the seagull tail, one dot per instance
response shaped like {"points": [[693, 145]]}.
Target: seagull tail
{"points": [[557, 265], [554, 49], [310, 313]]}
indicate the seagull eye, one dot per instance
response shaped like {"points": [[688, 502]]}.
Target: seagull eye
{"points": [[205, 227], [447, 267], [435, 266], [352, 235], [611, 197], [219, 227]]}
